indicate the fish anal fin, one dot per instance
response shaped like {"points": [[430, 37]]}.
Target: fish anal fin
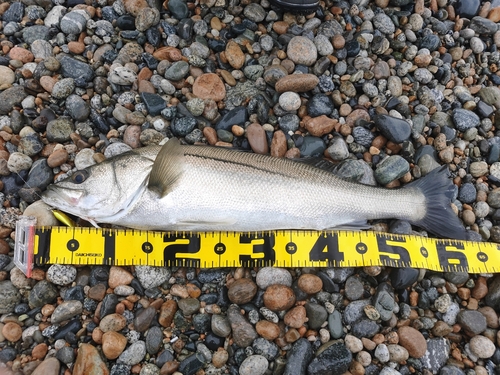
{"points": [[354, 225], [167, 167]]}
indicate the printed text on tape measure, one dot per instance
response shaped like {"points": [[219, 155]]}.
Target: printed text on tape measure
{"points": [[274, 248]]}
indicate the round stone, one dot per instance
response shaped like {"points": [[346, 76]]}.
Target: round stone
{"points": [[289, 101], [482, 346], [302, 50]]}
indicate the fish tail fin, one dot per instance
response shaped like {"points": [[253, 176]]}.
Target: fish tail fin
{"points": [[439, 219]]}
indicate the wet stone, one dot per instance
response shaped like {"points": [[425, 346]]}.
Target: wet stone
{"points": [[75, 69], [243, 332], [178, 8], [465, 119], [183, 126], [14, 13], [472, 322], [467, 8], [401, 278], [10, 297], [394, 129], [437, 353], [334, 359], [154, 340], [390, 169], [154, 103]]}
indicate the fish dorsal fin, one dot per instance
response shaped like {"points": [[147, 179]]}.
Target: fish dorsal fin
{"points": [[167, 167]]}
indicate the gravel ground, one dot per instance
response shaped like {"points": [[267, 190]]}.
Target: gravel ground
{"points": [[386, 89]]}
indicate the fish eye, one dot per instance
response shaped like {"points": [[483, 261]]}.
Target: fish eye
{"points": [[79, 176]]}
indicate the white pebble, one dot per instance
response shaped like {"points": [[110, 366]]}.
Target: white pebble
{"points": [[289, 101]]}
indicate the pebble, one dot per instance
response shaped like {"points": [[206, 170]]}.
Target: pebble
{"points": [[133, 354], [88, 361], [254, 364], [113, 344], [59, 274], [368, 99], [413, 341], [151, 277], [302, 50], [482, 347]]}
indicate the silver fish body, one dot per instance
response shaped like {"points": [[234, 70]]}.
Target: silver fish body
{"points": [[200, 188]]}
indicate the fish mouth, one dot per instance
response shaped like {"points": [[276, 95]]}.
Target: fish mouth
{"points": [[65, 200]]}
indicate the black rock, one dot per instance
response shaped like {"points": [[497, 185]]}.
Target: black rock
{"points": [[299, 357], [74, 293], [150, 60], [316, 315], [400, 227], [216, 45], [402, 278], [108, 305], [164, 357], [14, 13], [484, 109], [312, 146], [71, 68], [126, 22], [352, 47], [362, 136], [395, 129], [320, 104], [183, 126], [334, 360], [22, 308], [109, 14], [201, 323], [4, 261], [289, 123], [236, 116], [465, 119], [40, 176], [467, 193], [364, 328], [472, 322], [328, 284], [191, 364], [8, 354], [153, 36], [120, 369], [213, 342], [185, 28], [467, 8], [66, 354], [153, 102], [72, 326], [431, 42], [208, 298], [265, 348], [42, 293], [154, 340], [451, 370]]}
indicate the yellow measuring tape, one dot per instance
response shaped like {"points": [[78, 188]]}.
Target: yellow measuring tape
{"points": [[278, 248]]}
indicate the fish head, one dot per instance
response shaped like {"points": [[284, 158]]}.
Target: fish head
{"points": [[101, 192]]}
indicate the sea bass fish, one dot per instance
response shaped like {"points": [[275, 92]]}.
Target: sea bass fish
{"points": [[204, 188]]}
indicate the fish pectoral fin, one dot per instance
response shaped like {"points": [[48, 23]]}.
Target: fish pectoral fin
{"points": [[167, 167]]}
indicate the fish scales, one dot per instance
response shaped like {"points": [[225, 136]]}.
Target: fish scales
{"points": [[199, 188]]}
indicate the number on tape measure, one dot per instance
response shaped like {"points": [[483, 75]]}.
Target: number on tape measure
{"points": [[263, 253], [180, 248], [326, 248], [283, 248], [392, 250]]}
